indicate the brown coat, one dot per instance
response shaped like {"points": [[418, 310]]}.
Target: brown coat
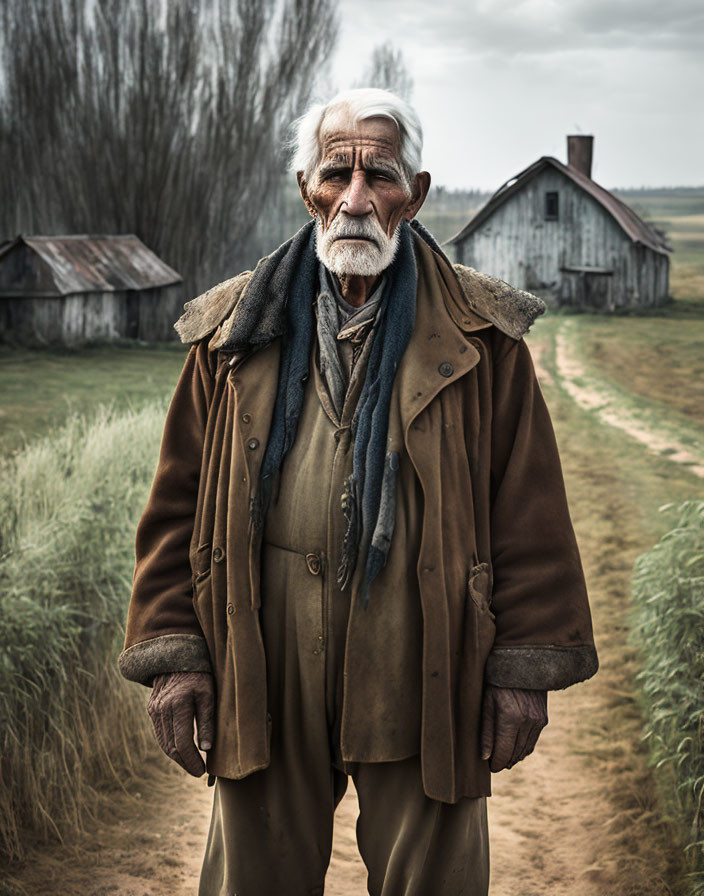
{"points": [[500, 579]]}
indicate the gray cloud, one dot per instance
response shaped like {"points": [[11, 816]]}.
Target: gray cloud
{"points": [[530, 27], [501, 82]]}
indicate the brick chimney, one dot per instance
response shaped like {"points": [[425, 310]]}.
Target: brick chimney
{"points": [[579, 153]]}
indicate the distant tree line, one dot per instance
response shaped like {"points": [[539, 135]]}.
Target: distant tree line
{"points": [[447, 199], [163, 119]]}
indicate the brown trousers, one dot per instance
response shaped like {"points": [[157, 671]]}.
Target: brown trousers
{"points": [[271, 832]]}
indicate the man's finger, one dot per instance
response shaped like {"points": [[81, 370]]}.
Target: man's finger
{"points": [[506, 730], [488, 710], [170, 736], [156, 710], [522, 740], [539, 719], [186, 753], [205, 719], [532, 740]]}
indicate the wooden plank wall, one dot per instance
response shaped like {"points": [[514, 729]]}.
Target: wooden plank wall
{"points": [[92, 317], [518, 245]]}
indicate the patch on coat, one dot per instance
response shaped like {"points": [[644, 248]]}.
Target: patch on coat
{"points": [[511, 310]]}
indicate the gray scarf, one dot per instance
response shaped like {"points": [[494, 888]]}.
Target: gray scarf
{"points": [[337, 321]]}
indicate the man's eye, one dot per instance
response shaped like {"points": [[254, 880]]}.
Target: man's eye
{"points": [[337, 174]]}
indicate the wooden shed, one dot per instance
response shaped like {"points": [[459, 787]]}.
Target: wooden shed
{"points": [[73, 289], [555, 232]]}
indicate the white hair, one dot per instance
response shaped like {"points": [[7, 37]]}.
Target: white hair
{"points": [[362, 103]]}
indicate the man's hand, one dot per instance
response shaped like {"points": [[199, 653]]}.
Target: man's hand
{"points": [[512, 720], [175, 701]]}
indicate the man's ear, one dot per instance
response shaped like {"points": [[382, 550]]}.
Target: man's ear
{"points": [[421, 185], [304, 193]]}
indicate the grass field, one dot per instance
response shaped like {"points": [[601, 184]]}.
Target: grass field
{"points": [[660, 360], [41, 387]]}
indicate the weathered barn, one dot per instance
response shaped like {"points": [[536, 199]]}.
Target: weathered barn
{"points": [[73, 289], [555, 232]]}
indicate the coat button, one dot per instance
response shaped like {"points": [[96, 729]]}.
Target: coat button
{"points": [[246, 418], [313, 562], [252, 444], [230, 609], [446, 369], [218, 554]]}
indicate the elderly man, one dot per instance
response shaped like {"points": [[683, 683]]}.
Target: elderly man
{"points": [[357, 557]]}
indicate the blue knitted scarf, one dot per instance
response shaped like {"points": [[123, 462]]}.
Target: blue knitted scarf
{"points": [[278, 301]]}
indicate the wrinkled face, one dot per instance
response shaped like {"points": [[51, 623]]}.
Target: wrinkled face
{"points": [[359, 194]]}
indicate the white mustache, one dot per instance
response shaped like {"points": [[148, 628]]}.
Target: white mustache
{"points": [[366, 228]]}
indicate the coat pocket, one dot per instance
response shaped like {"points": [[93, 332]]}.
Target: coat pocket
{"points": [[478, 635], [200, 561], [479, 588], [479, 627], [203, 607], [212, 621]]}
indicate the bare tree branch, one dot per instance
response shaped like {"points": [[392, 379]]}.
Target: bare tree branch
{"points": [[387, 69]]}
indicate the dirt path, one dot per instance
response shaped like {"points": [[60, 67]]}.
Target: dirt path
{"points": [[578, 817], [680, 442]]}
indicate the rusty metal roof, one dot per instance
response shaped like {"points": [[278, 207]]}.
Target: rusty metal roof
{"points": [[96, 263], [633, 225]]}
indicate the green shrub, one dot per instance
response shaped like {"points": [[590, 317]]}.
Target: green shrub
{"points": [[69, 505], [668, 593]]}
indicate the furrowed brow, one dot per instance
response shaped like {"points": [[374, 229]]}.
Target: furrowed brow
{"points": [[338, 160], [384, 165]]}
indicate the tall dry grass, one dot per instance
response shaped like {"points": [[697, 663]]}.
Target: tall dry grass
{"points": [[69, 723], [668, 592]]}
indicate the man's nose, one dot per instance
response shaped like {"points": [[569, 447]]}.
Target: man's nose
{"points": [[358, 196]]}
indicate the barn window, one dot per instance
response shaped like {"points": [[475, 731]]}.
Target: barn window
{"points": [[551, 206]]}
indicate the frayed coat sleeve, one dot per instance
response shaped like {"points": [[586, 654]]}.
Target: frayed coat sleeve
{"points": [[543, 622], [163, 634]]}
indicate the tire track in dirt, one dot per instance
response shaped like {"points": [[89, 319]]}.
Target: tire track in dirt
{"points": [[680, 443]]}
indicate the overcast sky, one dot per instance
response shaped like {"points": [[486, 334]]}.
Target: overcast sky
{"points": [[499, 83]]}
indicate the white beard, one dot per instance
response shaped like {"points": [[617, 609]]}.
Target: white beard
{"points": [[360, 257]]}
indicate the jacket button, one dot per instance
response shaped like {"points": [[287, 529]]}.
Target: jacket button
{"points": [[446, 369], [246, 418], [230, 609], [218, 554], [313, 562], [252, 444]]}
